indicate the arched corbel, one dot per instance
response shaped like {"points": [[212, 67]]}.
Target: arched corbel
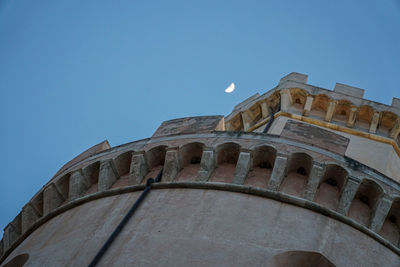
{"points": [[330, 110], [352, 117]]}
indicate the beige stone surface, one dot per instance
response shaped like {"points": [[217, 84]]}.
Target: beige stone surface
{"points": [[181, 227], [379, 156], [278, 125]]}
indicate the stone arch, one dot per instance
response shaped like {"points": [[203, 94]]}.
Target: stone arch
{"points": [[298, 258], [299, 97], [391, 227], [91, 174], [155, 158], [365, 201], [342, 111], [227, 155], [263, 159], [320, 106], [190, 158], [364, 117], [17, 261], [298, 172], [123, 163], [386, 122], [331, 186]]}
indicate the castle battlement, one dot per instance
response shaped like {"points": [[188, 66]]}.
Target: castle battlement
{"points": [[301, 160]]}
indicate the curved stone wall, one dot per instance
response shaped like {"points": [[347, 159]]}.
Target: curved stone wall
{"points": [[310, 178], [183, 226]]}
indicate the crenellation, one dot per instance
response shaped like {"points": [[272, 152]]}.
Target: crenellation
{"points": [[349, 90], [295, 76], [396, 102]]}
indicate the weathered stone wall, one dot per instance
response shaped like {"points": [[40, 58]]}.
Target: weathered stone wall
{"points": [[322, 185], [198, 227]]}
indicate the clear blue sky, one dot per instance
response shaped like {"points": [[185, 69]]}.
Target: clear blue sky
{"points": [[73, 73]]}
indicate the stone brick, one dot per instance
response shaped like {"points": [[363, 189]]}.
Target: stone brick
{"points": [[348, 195], [138, 169], [242, 167], [172, 165], [108, 174], [278, 173], [380, 214], [207, 165], [313, 181], [29, 216], [52, 199], [315, 136], [78, 184], [201, 124], [349, 90], [11, 232]]}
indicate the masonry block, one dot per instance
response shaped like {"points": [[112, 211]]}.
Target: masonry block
{"points": [[396, 102], [138, 169], [348, 194], [207, 165], [52, 199], [11, 232], [1, 248], [278, 173], [78, 184], [172, 165], [286, 100], [349, 90], [380, 214], [29, 216], [108, 174], [313, 182], [201, 124], [242, 168], [295, 76]]}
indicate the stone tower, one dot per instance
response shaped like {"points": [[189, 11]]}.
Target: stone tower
{"points": [[298, 176]]}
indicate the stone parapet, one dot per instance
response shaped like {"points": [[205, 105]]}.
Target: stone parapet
{"points": [[190, 165]]}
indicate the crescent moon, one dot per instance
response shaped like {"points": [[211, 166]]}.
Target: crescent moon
{"points": [[230, 88]]}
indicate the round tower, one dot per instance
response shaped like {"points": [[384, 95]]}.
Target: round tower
{"points": [[298, 176]]}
